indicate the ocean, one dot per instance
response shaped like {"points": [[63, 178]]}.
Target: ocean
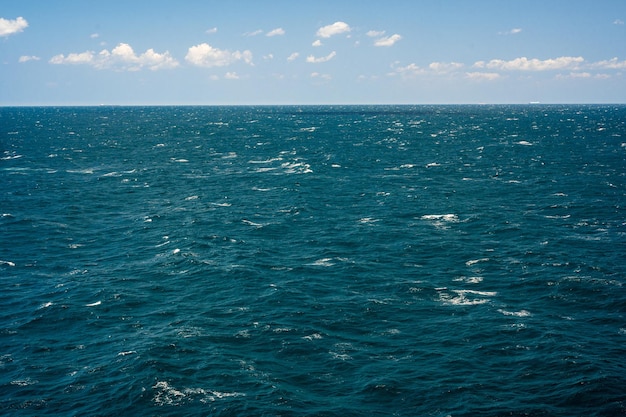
{"points": [[465, 260]]}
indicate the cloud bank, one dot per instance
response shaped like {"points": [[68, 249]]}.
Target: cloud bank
{"points": [[525, 64]]}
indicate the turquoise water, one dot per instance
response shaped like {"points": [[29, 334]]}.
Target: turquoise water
{"points": [[313, 261]]}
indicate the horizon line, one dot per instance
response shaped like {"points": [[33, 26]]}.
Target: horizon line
{"points": [[530, 103]]}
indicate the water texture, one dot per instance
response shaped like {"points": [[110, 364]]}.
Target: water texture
{"points": [[313, 261]]}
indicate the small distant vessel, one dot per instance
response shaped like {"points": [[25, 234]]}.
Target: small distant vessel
{"points": [[534, 102]]}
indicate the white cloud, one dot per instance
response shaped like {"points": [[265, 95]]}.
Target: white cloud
{"points": [[86, 57], [317, 43], [321, 76], [122, 57], [326, 58], [525, 64], [434, 68], [362, 78], [388, 40], [334, 29], [211, 31], [231, 76], [488, 76], [618, 22], [407, 71], [276, 32], [612, 63], [255, 33], [94, 35], [575, 75], [293, 56], [375, 33], [513, 31], [268, 57], [444, 67], [582, 75], [204, 55], [26, 58], [9, 27]]}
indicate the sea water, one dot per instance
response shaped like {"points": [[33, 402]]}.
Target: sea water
{"points": [[313, 261]]}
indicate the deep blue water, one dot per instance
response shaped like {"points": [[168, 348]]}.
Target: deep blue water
{"points": [[313, 261]]}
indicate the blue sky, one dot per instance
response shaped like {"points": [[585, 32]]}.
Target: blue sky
{"points": [[84, 52]]}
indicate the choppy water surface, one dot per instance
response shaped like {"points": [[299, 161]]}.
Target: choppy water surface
{"points": [[321, 261]]}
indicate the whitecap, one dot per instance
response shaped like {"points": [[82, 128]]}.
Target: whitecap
{"points": [[441, 217], [521, 313], [80, 171], [475, 292], [265, 161], [296, 168], [45, 305], [566, 216], [250, 223], [281, 330], [340, 356], [265, 169], [323, 262], [191, 197], [313, 336], [245, 334], [462, 297], [169, 395], [469, 280], [475, 261], [181, 160], [8, 263], [6, 158], [97, 303], [129, 352], [167, 242], [24, 382], [433, 164], [524, 143]]}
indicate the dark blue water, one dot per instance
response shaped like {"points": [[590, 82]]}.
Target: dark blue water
{"points": [[313, 261]]}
